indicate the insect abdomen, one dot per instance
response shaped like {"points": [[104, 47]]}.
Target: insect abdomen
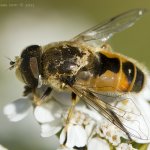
{"points": [[116, 73], [134, 76]]}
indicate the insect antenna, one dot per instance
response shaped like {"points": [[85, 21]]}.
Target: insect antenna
{"points": [[12, 63]]}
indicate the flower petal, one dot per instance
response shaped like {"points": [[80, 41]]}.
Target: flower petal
{"points": [[125, 146], [145, 92], [76, 136], [97, 144], [52, 128], [65, 148], [90, 127], [2, 148], [48, 112], [18, 109]]}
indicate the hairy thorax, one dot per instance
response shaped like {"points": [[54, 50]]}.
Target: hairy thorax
{"points": [[61, 63]]}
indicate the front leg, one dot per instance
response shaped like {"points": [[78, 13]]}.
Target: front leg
{"points": [[27, 90], [40, 95]]}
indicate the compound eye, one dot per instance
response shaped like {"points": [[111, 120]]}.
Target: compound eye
{"points": [[30, 66]]}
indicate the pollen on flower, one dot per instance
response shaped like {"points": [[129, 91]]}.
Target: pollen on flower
{"points": [[79, 118], [86, 126], [110, 132], [77, 132], [114, 137]]}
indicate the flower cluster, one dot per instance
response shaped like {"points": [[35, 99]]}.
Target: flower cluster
{"points": [[87, 129]]}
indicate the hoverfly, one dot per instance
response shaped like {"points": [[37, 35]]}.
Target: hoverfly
{"points": [[86, 66]]}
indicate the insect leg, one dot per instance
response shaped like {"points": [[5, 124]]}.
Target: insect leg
{"points": [[27, 90], [71, 109], [39, 96], [46, 93]]}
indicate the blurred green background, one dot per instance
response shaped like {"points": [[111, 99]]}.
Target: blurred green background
{"points": [[26, 22]]}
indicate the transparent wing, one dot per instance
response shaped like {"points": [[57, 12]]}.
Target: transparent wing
{"points": [[123, 113], [107, 29]]}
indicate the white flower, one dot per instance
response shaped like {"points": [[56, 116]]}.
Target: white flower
{"points": [[125, 146], [65, 148], [51, 128], [145, 93], [47, 114], [148, 148], [18, 109], [87, 128], [76, 136], [3, 148], [110, 132], [77, 132], [97, 144]]}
